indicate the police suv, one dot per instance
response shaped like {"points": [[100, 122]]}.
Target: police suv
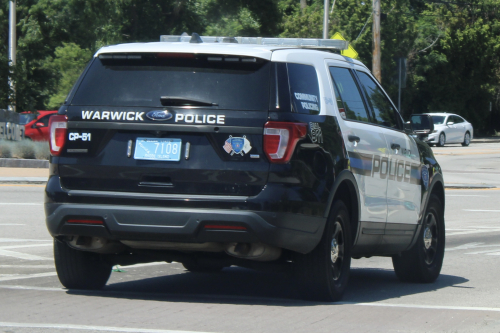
{"points": [[255, 152]]}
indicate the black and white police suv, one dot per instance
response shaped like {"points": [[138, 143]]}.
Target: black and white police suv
{"points": [[255, 152]]}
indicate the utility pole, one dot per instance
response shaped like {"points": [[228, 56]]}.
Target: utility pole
{"points": [[12, 52], [325, 20], [376, 68]]}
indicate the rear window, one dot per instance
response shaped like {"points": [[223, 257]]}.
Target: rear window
{"points": [[227, 82]]}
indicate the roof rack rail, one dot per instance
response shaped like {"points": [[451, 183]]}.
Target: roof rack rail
{"points": [[313, 43]]}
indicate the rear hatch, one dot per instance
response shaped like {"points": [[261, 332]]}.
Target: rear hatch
{"points": [[176, 123]]}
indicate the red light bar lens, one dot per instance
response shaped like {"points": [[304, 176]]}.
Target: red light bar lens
{"points": [[225, 227], [85, 221]]}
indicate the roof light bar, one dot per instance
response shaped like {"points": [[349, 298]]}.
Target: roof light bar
{"points": [[313, 43]]}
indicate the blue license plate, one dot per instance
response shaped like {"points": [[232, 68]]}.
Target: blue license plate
{"points": [[158, 149]]}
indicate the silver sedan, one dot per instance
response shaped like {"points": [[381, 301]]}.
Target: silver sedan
{"points": [[450, 128]]}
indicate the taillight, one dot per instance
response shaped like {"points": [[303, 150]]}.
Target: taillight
{"points": [[58, 129], [280, 139]]}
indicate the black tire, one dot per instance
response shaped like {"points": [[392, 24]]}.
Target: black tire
{"points": [[79, 269], [197, 267], [423, 262], [323, 273], [441, 140], [466, 139]]}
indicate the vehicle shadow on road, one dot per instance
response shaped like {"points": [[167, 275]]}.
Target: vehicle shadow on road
{"points": [[242, 286]]}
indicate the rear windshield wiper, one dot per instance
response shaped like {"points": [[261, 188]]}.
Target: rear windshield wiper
{"points": [[183, 101]]}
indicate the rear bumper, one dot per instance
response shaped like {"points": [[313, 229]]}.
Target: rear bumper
{"points": [[296, 232]]}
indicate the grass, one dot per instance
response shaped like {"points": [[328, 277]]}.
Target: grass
{"points": [[25, 149]]}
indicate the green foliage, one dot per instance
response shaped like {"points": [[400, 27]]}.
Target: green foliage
{"points": [[452, 49], [69, 62]]}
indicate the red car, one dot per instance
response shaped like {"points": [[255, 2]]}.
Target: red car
{"points": [[38, 128]]}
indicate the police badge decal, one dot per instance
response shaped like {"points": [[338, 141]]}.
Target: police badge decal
{"points": [[237, 145]]}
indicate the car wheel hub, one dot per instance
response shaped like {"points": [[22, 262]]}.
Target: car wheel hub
{"points": [[427, 238], [337, 251], [334, 251]]}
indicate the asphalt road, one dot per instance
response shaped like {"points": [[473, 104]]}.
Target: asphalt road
{"points": [[160, 297]]}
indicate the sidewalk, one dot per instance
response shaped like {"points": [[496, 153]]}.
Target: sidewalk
{"points": [[23, 175]]}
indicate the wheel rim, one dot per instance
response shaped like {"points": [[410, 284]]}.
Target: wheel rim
{"points": [[441, 139], [467, 138], [337, 251], [430, 238]]}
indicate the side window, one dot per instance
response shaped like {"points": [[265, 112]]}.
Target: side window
{"points": [[384, 112], [347, 93], [304, 88], [44, 120], [458, 119]]}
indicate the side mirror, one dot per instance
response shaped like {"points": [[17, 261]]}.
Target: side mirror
{"points": [[422, 124], [450, 123], [37, 125]]}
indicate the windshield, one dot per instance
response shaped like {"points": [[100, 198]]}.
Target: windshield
{"points": [[223, 82], [26, 118], [438, 120]]}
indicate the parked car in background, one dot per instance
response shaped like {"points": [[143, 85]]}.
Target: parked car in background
{"points": [[25, 117], [450, 128], [38, 128]]}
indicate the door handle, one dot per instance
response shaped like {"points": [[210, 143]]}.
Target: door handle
{"points": [[395, 146], [353, 138]]}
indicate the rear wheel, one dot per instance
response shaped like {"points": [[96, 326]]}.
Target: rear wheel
{"points": [[324, 272], [79, 269], [466, 139], [423, 262], [442, 140]]}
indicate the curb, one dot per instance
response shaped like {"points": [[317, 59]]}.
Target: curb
{"points": [[485, 141], [23, 163], [23, 180]]}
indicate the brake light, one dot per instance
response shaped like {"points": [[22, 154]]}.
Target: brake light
{"points": [[280, 139], [58, 129]]}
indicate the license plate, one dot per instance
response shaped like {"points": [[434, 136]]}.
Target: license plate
{"points": [[158, 149]]}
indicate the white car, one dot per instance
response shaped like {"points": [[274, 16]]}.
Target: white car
{"points": [[450, 128]]}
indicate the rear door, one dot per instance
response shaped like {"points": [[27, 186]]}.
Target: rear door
{"points": [[169, 123]]}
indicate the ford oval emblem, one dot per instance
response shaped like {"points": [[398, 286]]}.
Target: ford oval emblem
{"points": [[159, 115]]}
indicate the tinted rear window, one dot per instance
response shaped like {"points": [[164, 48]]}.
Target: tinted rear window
{"points": [[235, 83]]}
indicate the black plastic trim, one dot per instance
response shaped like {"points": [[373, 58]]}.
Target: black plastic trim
{"points": [[156, 196]]}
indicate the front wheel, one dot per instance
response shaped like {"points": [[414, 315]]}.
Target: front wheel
{"points": [[466, 139], [423, 262], [324, 272], [79, 269]]}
